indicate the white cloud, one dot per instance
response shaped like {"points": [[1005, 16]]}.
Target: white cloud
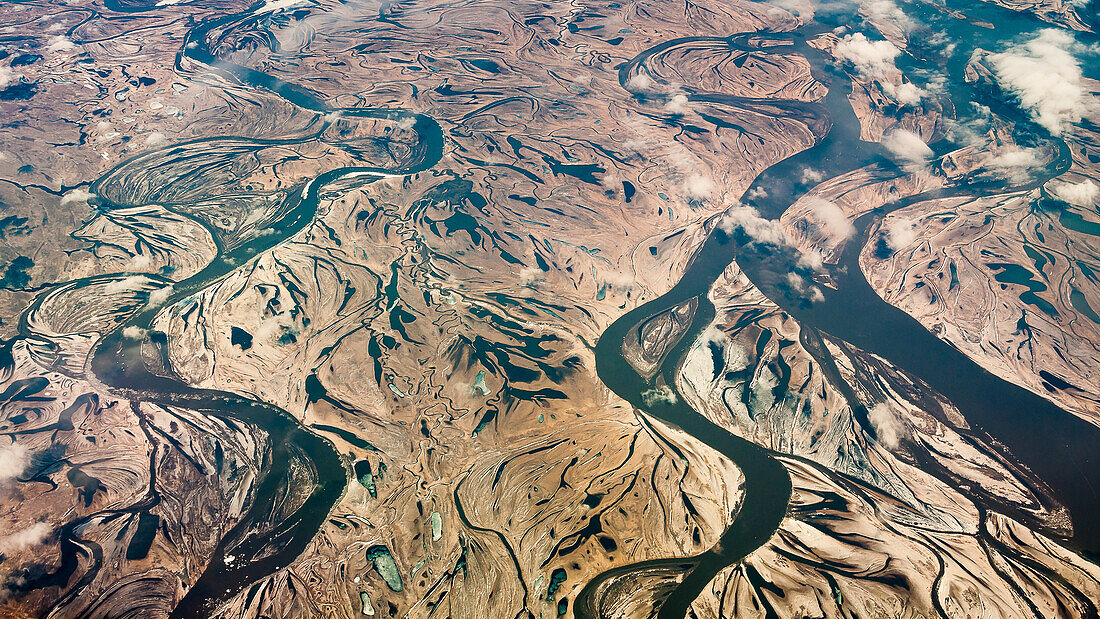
{"points": [[133, 333], [13, 461], [872, 59], [811, 259], [887, 10], [748, 220], [906, 93], [899, 232], [1015, 163], [77, 195], [715, 336], [158, 297], [757, 192], [801, 8], [770, 232], [810, 176], [616, 280], [907, 147], [1081, 194], [126, 284], [875, 59], [155, 138], [830, 218], [640, 82], [610, 182], [794, 280], [7, 76], [1015, 158], [677, 104], [31, 536], [888, 427], [798, 285], [59, 43], [662, 395], [269, 330], [1046, 78], [531, 276], [699, 186], [140, 262]]}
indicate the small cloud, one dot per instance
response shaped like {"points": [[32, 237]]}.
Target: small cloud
{"points": [[640, 82], [531, 276], [20, 540], [899, 232], [677, 104], [874, 60], [126, 284], [798, 285], [811, 259], [1015, 158], [59, 43], [887, 10], [160, 296], [747, 220], [888, 428], [7, 76], [155, 138], [133, 333], [1015, 164], [756, 193], [1046, 78], [269, 330], [659, 396], [906, 93], [871, 59], [699, 186], [1084, 193], [830, 218], [13, 461], [811, 176], [77, 195], [714, 337], [907, 147], [803, 9], [795, 281], [616, 280], [140, 262]]}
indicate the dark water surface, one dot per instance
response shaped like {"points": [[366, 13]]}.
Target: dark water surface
{"points": [[1057, 446], [1065, 458]]}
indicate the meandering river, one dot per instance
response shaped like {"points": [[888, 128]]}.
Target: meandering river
{"points": [[1065, 460]]}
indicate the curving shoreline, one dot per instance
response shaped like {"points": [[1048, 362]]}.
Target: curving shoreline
{"points": [[117, 363], [980, 396]]}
